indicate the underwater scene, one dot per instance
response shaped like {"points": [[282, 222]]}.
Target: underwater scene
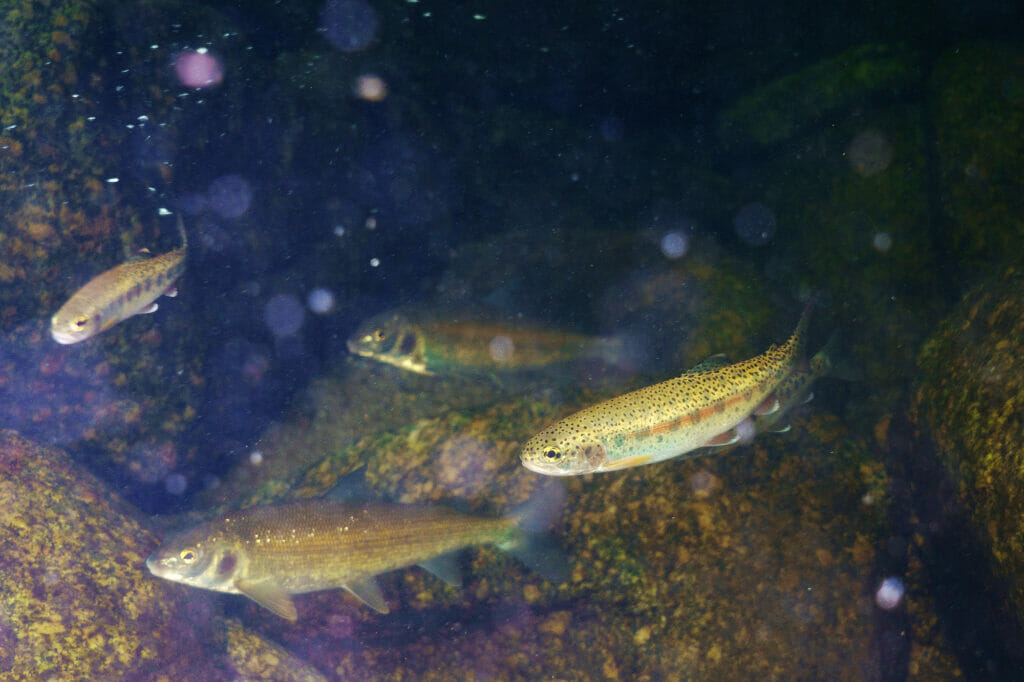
{"points": [[405, 340]]}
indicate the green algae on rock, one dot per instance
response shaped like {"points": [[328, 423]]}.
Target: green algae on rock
{"points": [[77, 602], [972, 383]]}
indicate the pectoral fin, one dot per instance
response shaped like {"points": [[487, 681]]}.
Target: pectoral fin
{"points": [[367, 591], [445, 567], [151, 308], [271, 596]]}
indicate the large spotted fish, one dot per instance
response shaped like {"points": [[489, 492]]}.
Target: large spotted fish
{"points": [[128, 289], [706, 406]]}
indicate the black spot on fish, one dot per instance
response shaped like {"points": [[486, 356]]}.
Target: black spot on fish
{"points": [[227, 563], [408, 344]]}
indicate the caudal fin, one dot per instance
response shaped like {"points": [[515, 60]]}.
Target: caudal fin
{"points": [[532, 543]]}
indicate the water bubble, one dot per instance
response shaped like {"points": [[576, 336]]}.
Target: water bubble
{"points": [[869, 153], [175, 484], [229, 196], [256, 457], [882, 242], [501, 349], [198, 69], [374, 262], [674, 245], [755, 224], [371, 88], [349, 25], [320, 301], [283, 315], [339, 230], [890, 593]]}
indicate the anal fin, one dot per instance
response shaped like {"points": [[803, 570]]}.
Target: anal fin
{"points": [[367, 591], [445, 567], [270, 596]]}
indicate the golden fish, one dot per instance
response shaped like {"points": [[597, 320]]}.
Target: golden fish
{"points": [[271, 553], [701, 408], [473, 345], [128, 289]]}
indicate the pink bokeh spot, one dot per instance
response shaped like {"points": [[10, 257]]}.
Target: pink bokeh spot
{"points": [[198, 69]]}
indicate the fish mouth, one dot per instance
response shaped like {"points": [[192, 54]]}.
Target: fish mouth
{"points": [[153, 564], [62, 338], [353, 347], [539, 468]]}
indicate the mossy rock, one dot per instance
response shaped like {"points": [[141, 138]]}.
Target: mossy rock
{"points": [[78, 602], [971, 388]]}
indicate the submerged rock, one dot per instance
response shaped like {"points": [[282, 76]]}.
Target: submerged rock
{"points": [[972, 378], [77, 601]]}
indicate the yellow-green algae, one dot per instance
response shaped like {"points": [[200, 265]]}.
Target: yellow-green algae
{"points": [[77, 601], [970, 397], [256, 658]]}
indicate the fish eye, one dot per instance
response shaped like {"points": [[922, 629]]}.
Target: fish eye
{"points": [[553, 454], [79, 322], [379, 335], [187, 555]]}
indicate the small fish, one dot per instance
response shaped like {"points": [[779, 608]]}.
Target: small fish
{"points": [[468, 346], [271, 553], [707, 406], [128, 289]]}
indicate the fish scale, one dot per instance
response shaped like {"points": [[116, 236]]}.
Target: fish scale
{"points": [[697, 409]]}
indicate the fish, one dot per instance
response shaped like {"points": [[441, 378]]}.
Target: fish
{"points": [[471, 345], [119, 293], [795, 389], [710, 405], [270, 553]]}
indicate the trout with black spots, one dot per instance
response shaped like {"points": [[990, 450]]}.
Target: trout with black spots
{"points": [[707, 406], [128, 289]]}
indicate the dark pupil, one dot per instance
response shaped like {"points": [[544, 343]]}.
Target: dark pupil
{"points": [[80, 322], [379, 335], [189, 556], [552, 454]]}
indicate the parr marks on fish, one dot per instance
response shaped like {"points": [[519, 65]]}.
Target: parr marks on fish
{"points": [[701, 408], [474, 344], [119, 293]]}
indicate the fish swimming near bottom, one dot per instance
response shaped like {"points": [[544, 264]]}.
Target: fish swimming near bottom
{"points": [[128, 289], [271, 553], [703, 407]]}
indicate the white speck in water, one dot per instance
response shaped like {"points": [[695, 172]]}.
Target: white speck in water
{"points": [[256, 457], [320, 301], [890, 593], [501, 349], [374, 262], [674, 245], [882, 242]]}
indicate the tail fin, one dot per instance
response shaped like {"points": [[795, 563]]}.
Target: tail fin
{"points": [[532, 544], [182, 233]]}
